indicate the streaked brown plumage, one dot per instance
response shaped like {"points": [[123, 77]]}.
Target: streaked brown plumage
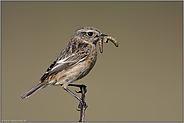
{"points": [[74, 62]]}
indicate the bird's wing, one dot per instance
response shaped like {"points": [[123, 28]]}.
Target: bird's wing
{"points": [[65, 63]]}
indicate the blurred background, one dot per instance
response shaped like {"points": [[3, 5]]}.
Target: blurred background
{"points": [[141, 80]]}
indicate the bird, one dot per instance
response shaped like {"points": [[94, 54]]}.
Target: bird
{"points": [[74, 62]]}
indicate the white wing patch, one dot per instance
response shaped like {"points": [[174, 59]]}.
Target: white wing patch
{"points": [[63, 60], [66, 61], [80, 60]]}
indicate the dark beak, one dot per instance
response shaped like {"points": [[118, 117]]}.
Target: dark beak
{"points": [[102, 35]]}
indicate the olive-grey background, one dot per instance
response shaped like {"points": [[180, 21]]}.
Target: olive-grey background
{"points": [[139, 81]]}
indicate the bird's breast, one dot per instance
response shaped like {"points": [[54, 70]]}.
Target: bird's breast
{"points": [[88, 63]]}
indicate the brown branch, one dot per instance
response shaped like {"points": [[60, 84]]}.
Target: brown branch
{"points": [[82, 108]]}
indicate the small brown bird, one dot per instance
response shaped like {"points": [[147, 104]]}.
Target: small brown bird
{"points": [[74, 62]]}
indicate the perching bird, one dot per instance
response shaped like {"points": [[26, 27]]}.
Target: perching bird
{"points": [[74, 62]]}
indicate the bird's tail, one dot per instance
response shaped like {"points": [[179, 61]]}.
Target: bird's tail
{"points": [[33, 90]]}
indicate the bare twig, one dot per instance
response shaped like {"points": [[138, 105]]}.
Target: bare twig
{"points": [[81, 106]]}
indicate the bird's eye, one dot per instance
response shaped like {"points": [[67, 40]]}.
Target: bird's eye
{"points": [[90, 33]]}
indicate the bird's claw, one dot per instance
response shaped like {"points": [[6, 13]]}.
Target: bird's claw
{"points": [[78, 91], [85, 90]]}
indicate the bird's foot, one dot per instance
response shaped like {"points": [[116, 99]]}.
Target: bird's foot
{"points": [[85, 90]]}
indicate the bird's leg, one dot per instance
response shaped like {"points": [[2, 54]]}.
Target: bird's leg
{"points": [[83, 90], [81, 87], [82, 102]]}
